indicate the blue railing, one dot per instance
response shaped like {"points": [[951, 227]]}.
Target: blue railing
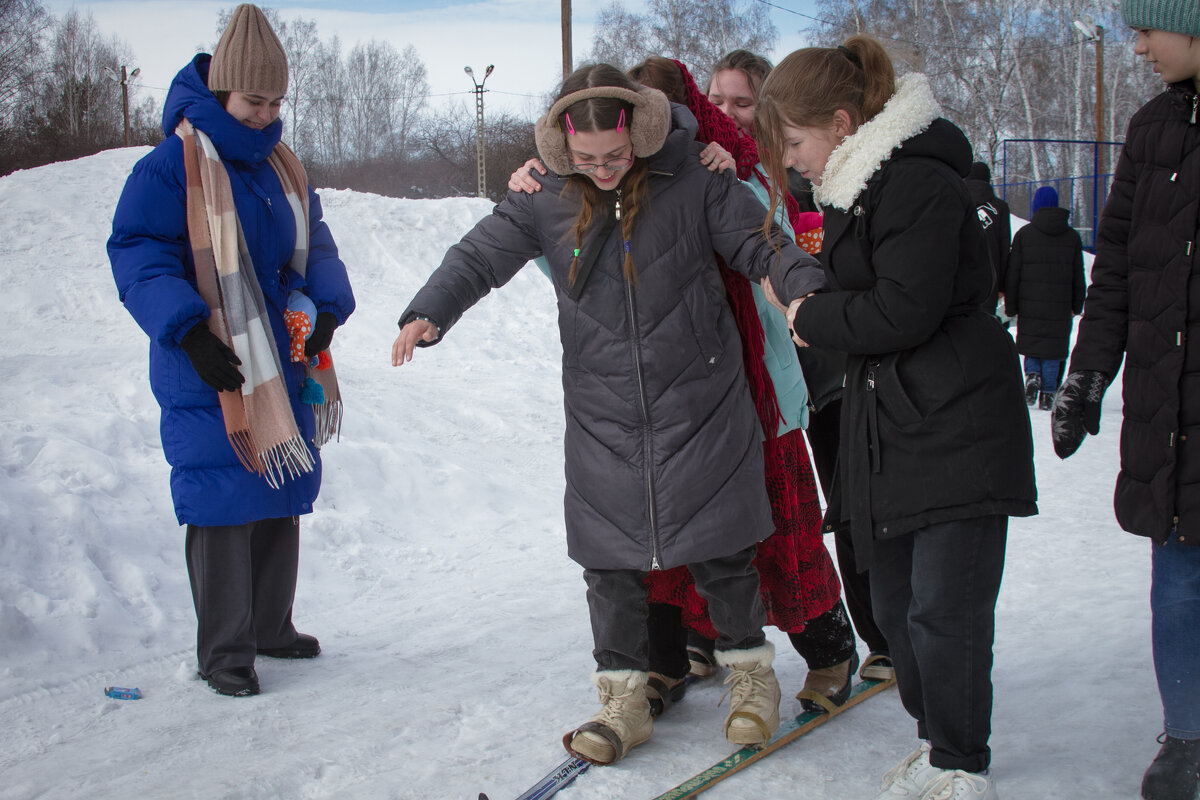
{"points": [[1082, 195]]}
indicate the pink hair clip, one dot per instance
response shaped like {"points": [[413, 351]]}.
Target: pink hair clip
{"points": [[570, 127], [621, 121]]}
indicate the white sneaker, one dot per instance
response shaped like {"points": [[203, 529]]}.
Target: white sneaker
{"points": [[955, 784], [909, 779]]}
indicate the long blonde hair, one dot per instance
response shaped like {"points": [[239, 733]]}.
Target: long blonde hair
{"points": [[807, 88], [602, 114]]}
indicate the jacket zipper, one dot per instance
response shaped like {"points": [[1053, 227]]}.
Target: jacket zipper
{"points": [[1195, 106], [872, 414], [647, 439]]}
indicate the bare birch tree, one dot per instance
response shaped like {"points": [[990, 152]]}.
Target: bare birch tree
{"points": [[695, 32], [21, 25], [81, 95]]}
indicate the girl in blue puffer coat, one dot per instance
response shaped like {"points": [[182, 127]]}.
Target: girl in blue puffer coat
{"points": [[215, 229]]}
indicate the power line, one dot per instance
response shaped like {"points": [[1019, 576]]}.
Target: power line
{"points": [[405, 97], [934, 45]]}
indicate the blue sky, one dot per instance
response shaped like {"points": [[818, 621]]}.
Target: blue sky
{"points": [[520, 37]]}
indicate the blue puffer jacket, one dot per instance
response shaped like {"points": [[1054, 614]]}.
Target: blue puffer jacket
{"points": [[152, 265]]}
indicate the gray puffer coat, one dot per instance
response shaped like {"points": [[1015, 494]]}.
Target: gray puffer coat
{"points": [[663, 445]]}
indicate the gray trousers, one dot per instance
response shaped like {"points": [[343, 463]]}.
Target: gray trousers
{"points": [[617, 605], [243, 583], [934, 594]]}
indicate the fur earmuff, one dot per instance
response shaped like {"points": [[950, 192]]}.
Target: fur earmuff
{"points": [[649, 124]]}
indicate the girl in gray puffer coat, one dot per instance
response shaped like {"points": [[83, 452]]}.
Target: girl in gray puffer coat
{"points": [[663, 445]]}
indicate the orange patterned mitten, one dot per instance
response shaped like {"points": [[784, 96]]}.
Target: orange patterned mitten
{"points": [[299, 327]]}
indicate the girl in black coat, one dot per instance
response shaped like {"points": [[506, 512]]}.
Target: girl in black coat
{"points": [[1143, 307], [936, 452], [1044, 288]]}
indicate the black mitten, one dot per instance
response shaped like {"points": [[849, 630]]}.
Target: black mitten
{"points": [[213, 360], [321, 335], [1076, 410]]}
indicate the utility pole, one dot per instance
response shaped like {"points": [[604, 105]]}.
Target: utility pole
{"points": [[566, 38], [1100, 94], [479, 159], [1095, 34], [124, 81]]}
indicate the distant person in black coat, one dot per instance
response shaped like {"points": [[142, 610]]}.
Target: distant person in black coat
{"points": [[1044, 289], [995, 219]]}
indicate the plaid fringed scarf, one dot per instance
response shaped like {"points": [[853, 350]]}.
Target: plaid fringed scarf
{"points": [[293, 178], [258, 417]]}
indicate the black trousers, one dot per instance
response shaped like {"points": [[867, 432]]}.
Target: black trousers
{"points": [[823, 432], [934, 594], [243, 584], [618, 609]]}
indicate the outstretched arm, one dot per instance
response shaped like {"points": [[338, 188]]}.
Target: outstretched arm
{"points": [[419, 330]]}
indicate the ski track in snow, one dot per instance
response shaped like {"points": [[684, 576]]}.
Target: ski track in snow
{"points": [[455, 632]]}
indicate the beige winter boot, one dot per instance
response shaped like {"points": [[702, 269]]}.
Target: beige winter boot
{"points": [[826, 689], [623, 723], [753, 694]]}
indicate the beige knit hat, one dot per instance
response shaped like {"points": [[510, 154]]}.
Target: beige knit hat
{"points": [[249, 57]]}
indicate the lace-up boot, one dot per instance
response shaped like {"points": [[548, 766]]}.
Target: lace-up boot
{"points": [[753, 694], [623, 723], [1033, 387], [1173, 775]]}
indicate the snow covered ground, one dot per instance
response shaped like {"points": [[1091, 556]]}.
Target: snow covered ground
{"points": [[454, 627]]}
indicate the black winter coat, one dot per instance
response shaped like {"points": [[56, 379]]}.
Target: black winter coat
{"points": [[934, 423], [664, 461], [1144, 306], [996, 220], [1045, 284]]}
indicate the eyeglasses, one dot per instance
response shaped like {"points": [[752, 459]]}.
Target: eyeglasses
{"points": [[613, 165]]}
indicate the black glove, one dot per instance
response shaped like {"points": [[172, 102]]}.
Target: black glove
{"points": [[321, 335], [1076, 410], [214, 362]]}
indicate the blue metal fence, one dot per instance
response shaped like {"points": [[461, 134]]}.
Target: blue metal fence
{"points": [[1083, 195]]}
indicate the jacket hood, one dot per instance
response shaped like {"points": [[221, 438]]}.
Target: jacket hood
{"points": [[1051, 220], [981, 191], [678, 143], [189, 97], [908, 125]]}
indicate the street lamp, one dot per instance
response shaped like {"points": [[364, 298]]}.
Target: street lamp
{"points": [[124, 81], [1095, 33], [479, 90]]}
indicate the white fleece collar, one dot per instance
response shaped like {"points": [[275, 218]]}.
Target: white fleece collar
{"points": [[859, 156]]}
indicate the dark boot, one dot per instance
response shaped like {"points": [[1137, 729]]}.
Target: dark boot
{"points": [[233, 681], [304, 646], [1033, 385], [1175, 772], [1045, 401], [663, 691]]}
